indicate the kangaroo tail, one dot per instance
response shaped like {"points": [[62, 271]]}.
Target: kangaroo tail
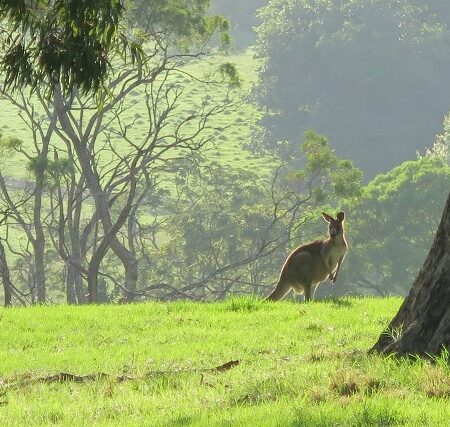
{"points": [[280, 291]]}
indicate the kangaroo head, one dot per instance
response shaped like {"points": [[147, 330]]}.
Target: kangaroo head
{"points": [[335, 226]]}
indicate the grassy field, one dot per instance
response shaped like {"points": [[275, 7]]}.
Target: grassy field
{"points": [[154, 364]]}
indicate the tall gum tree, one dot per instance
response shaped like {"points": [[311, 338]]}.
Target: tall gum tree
{"points": [[36, 156], [72, 50]]}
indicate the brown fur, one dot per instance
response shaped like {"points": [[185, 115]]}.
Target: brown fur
{"points": [[310, 264]]}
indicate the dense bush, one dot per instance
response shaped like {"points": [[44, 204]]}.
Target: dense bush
{"points": [[392, 226]]}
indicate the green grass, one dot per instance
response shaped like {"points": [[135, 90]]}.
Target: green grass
{"points": [[300, 365]]}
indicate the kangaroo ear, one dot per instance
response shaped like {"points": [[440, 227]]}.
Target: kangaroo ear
{"points": [[341, 216], [327, 218]]}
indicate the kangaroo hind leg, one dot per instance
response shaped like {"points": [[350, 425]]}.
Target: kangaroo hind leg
{"points": [[309, 292]]}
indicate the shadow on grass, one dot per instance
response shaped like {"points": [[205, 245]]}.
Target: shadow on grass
{"points": [[338, 302]]}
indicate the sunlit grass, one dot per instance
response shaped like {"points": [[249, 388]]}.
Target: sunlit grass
{"points": [[300, 364]]}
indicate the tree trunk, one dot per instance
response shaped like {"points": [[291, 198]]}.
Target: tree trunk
{"points": [[422, 325], [70, 284], [5, 276], [131, 270], [131, 278], [39, 241], [93, 273], [77, 240], [31, 281], [39, 276], [80, 289], [76, 258]]}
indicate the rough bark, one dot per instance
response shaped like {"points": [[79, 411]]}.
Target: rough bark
{"points": [[39, 264], [39, 240], [422, 325], [5, 277]]}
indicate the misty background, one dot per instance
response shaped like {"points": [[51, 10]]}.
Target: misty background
{"points": [[318, 106]]}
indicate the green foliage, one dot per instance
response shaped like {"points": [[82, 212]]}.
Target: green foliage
{"points": [[8, 145], [38, 166], [61, 41], [441, 147], [392, 226], [186, 22], [230, 72], [300, 364], [338, 177], [73, 42], [360, 71], [224, 218], [219, 219], [61, 167]]}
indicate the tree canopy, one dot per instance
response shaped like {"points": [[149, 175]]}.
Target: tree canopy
{"points": [[186, 21], [372, 74], [64, 41], [392, 225], [71, 42]]}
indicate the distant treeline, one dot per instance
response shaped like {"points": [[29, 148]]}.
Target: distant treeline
{"points": [[370, 74]]}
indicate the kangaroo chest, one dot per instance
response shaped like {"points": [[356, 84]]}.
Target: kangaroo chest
{"points": [[331, 254]]}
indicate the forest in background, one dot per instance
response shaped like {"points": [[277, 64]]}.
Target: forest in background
{"points": [[205, 178]]}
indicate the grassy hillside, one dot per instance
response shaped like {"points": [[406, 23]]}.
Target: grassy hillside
{"points": [[230, 130], [153, 364], [234, 127]]}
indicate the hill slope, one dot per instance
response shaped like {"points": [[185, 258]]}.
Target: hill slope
{"points": [[230, 130]]}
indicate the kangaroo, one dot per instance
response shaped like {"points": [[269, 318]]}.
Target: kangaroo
{"points": [[310, 264]]}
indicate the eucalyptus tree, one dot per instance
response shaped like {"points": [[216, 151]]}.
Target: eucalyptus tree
{"points": [[35, 155], [87, 125], [48, 43], [63, 41], [120, 166], [422, 324]]}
